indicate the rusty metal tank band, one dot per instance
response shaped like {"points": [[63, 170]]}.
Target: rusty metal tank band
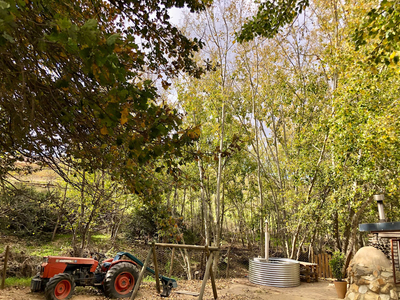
{"points": [[279, 272]]}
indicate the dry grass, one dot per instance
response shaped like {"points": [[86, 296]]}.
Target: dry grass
{"points": [[36, 176]]}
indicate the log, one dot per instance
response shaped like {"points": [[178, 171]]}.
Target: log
{"points": [[187, 293]]}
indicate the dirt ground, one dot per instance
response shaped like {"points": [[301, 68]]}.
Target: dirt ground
{"points": [[227, 289]]}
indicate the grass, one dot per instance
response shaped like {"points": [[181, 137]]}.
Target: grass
{"points": [[47, 249], [60, 246], [18, 282], [100, 239], [62, 242], [149, 278]]}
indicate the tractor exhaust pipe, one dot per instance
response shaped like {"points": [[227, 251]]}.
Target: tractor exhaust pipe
{"points": [[379, 200]]}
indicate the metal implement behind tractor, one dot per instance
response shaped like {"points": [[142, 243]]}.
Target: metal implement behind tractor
{"points": [[58, 276]]}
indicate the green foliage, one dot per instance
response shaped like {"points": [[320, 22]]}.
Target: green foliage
{"points": [[271, 17], [337, 264], [191, 236], [74, 84], [27, 212], [379, 31], [143, 223], [305, 127], [149, 222]]}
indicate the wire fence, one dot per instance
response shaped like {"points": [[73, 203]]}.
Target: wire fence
{"points": [[233, 262], [190, 264]]}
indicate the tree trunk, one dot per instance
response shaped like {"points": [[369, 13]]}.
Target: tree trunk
{"points": [[218, 215], [60, 211], [205, 218]]}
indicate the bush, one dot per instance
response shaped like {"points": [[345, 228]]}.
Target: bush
{"points": [[155, 222], [142, 224], [27, 212], [337, 264]]}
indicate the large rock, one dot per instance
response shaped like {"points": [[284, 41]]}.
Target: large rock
{"points": [[371, 258]]}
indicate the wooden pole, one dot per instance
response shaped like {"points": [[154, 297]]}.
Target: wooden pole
{"points": [[136, 289], [214, 287], [191, 247], [206, 275], [3, 279], [156, 268], [227, 263], [172, 262]]}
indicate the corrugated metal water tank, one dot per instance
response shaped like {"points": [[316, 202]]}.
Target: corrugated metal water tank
{"points": [[279, 272]]}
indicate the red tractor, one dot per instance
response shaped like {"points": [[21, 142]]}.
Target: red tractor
{"points": [[58, 276]]}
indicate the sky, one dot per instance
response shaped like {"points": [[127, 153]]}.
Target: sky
{"points": [[176, 15]]}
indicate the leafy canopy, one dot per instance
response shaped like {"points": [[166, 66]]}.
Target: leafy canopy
{"points": [[74, 82], [380, 30], [271, 16]]}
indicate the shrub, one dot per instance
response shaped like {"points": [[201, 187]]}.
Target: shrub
{"points": [[27, 212], [155, 222], [337, 263]]}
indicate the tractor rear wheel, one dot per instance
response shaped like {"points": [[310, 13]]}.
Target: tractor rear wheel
{"points": [[120, 280], [59, 287]]}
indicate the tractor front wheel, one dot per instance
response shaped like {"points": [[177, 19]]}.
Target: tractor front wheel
{"points": [[120, 280], [59, 287]]}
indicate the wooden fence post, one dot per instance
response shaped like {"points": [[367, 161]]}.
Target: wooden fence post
{"points": [[316, 262], [214, 286], [156, 268], [172, 262], [206, 275], [326, 265], [227, 263], [139, 281], [3, 279], [322, 262]]}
